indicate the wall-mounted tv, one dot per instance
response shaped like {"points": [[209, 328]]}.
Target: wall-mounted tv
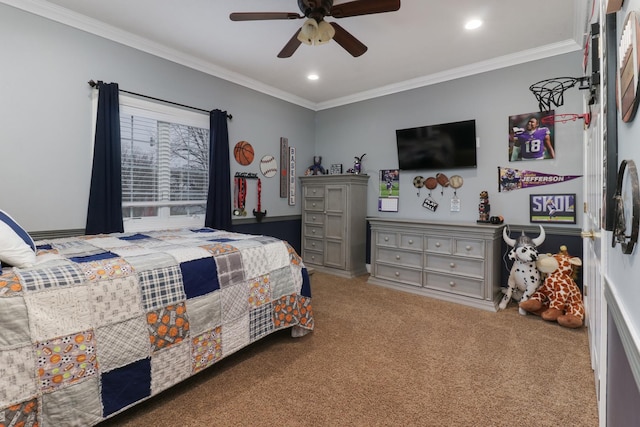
{"points": [[442, 146]]}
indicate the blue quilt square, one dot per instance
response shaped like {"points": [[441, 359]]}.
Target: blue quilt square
{"points": [[199, 277], [125, 386], [222, 240], [306, 284], [96, 257], [45, 247], [136, 236], [204, 230]]}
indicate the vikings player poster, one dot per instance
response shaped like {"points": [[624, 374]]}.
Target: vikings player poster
{"points": [[530, 138]]}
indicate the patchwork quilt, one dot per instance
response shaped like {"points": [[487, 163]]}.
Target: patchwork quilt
{"points": [[103, 322]]}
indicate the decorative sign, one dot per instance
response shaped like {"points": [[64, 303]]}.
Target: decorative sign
{"points": [[513, 179], [284, 165], [268, 166], [243, 153], [554, 208], [628, 67], [292, 176], [336, 169]]}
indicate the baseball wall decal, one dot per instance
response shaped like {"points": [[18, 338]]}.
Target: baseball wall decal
{"points": [[268, 166]]}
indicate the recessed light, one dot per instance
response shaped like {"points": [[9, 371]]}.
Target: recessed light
{"points": [[473, 24], [313, 77]]}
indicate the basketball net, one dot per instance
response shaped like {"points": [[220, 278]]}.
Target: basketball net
{"points": [[550, 92]]}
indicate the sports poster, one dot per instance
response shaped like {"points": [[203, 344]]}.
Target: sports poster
{"points": [[389, 190], [531, 137], [513, 179], [552, 208]]}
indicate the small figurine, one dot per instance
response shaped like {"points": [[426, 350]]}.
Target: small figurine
{"points": [[316, 168], [484, 207], [357, 164]]}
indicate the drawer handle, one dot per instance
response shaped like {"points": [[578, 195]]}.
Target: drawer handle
{"points": [[437, 244], [313, 257], [386, 239], [313, 204], [452, 265], [452, 284], [313, 217], [313, 231], [397, 274], [314, 191], [397, 256], [313, 244], [468, 247], [410, 242]]}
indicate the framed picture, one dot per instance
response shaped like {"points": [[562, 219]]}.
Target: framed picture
{"points": [[552, 208], [336, 169]]}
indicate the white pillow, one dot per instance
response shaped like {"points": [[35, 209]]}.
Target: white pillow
{"points": [[16, 246]]}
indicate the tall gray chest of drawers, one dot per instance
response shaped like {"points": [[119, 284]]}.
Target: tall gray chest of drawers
{"points": [[334, 227], [457, 262]]}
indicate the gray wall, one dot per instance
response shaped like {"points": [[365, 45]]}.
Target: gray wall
{"points": [[489, 98], [45, 104]]}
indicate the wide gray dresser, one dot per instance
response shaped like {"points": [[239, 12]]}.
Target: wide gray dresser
{"points": [[334, 227], [457, 262]]}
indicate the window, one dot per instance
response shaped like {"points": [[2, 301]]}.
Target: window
{"points": [[165, 165]]}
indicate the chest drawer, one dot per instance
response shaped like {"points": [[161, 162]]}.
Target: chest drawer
{"points": [[311, 230], [313, 218], [314, 191], [313, 258], [384, 238], [466, 266], [399, 274], [411, 241], [393, 256], [454, 284], [469, 247], [313, 244], [438, 244], [314, 205]]}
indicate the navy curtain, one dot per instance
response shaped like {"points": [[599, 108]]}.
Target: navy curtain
{"points": [[218, 214], [104, 214]]}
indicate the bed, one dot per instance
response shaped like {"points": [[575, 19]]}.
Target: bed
{"points": [[99, 323]]}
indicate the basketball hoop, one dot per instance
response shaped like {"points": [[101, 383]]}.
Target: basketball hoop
{"points": [[551, 91], [564, 118]]}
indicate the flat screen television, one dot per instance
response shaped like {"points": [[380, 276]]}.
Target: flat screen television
{"points": [[442, 146]]}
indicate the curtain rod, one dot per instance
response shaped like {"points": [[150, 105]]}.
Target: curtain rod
{"points": [[94, 84]]}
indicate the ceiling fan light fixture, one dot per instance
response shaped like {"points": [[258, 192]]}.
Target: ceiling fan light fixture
{"points": [[308, 31], [325, 33]]}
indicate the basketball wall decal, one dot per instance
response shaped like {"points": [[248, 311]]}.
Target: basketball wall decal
{"points": [[243, 153], [268, 166]]}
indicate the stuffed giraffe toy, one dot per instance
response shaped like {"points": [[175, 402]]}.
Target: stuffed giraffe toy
{"points": [[559, 298]]}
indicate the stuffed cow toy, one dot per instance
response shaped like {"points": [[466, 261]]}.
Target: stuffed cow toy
{"points": [[558, 299], [524, 278]]}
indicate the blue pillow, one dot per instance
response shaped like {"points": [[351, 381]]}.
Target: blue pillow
{"points": [[17, 248]]}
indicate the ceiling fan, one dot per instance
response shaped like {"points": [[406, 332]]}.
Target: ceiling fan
{"points": [[315, 29]]}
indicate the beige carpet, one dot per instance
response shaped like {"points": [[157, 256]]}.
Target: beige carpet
{"points": [[380, 357]]}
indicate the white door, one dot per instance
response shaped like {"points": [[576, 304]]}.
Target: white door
{"points": [[593, 225]]}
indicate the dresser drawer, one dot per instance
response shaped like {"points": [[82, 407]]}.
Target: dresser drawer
{"points": [[411, 241], [385, 238], [469, 247], [314, 191], [311, 230], [313, 244], [313, 257], [399, 274], [314, 205], [454, 284], [314, 218], [438, 244], [393, 256], [466, 266]]}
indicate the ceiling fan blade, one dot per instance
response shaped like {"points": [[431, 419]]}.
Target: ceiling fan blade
{"points": [[258, 16], [364, 7], [291, 46], [347, 41]]}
